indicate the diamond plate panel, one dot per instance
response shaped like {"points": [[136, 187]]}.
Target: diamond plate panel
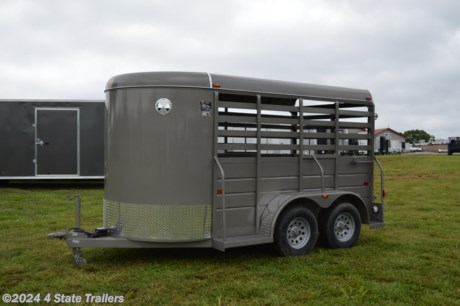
{"points": [[149, 222]]}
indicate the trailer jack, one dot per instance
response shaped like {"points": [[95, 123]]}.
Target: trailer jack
{"points": [[78, 259], [76, 233]]}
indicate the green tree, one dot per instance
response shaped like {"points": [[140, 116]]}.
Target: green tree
{"points": [[414, 136]]}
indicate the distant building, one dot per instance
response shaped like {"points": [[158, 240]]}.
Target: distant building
{"points": [[389, 141], [440, 141]]}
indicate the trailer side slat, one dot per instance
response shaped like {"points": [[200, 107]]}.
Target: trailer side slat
{"points": [[279, 147], [279, 120], [344, 124], [355, 148], [253, 147], [235, 133], [354, 113], [318, 135], [317, 110], [355, 136], [314, 123], [226, 124], [238, 119], [319, 147], [236, 146]]}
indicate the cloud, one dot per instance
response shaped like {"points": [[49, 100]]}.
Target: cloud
{"points": [[406, 52]]}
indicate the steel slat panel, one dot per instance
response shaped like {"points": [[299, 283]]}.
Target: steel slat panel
{"points": [[279, 120], [353, 125], [355, 113], [355, 136], [236, 146], [246, 119]]}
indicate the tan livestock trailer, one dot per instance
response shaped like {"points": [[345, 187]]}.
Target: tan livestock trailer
{"points": [[208, 160]]}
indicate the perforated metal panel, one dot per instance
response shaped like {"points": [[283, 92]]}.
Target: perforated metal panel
{"points": [[158, 222]]}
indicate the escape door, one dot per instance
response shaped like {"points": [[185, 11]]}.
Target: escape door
{"points": [[57, 141]]}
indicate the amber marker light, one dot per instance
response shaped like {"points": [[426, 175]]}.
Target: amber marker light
{"points": [[325, 196], [109, 84], [217, 85]]}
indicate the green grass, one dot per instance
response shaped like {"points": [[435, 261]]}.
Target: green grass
{"points": [[414, 260]]}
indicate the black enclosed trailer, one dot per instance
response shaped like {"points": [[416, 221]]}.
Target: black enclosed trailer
{"points": [[454, 145], [51, 139]]}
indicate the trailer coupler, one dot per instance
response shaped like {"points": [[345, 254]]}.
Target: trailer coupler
{"points": [[78, 258], [74, 234], [58, 235]]}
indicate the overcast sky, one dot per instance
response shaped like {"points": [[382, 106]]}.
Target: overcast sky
{"points": [[406, 52]]}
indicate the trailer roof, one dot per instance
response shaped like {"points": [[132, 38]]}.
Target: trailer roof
{"points": [[226, 82]]}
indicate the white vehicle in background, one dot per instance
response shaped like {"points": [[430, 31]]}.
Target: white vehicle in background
{"points": [[415, 149]]}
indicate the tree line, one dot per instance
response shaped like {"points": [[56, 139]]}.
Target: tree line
{"points": [[414, 136]]}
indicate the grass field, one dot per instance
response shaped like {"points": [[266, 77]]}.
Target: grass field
{"points": [[414, 260]]}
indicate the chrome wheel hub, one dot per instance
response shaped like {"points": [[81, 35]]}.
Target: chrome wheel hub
{"points": [[344, 226], [298, 233]]}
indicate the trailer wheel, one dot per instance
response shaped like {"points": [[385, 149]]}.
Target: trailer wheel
{"points": [[296, 232], [340, 226]]}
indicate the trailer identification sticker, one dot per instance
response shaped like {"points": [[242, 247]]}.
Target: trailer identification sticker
{"points": [[163, 106], [205, 107]]}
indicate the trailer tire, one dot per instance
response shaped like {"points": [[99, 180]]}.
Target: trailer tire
{"points": [[296, 232], [340, 226]]}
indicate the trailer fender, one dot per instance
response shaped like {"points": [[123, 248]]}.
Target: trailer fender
{"points": [[316, 200]]}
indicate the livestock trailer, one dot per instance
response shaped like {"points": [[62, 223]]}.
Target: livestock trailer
{"points": [[210, 160], [51, 139]]}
